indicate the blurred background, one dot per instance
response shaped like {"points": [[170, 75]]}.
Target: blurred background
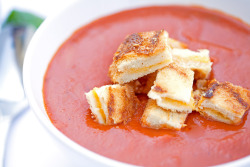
{"points": [[28, 143], [42, 8]]}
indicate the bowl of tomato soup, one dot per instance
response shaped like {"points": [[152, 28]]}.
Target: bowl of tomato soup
{"points": [[72, 51]]}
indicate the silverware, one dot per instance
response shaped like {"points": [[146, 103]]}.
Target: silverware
{"points": [[13, 43]]}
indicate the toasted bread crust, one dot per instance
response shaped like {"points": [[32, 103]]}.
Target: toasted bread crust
{"points": [[117, 103], [122, 104], [179, 71], [211, 88], [159, 89], [200, 87], [162, 119], [140, 54], [202, 84], [199, 61], [113, 73], [143, 44], [227, 99], [143, 84], [238, 96], [168, 77]]}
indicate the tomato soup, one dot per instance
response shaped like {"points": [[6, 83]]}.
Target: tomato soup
{"points": [[82, 63]]}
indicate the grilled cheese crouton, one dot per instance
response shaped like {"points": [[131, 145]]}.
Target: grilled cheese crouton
{"points": [[176, 105], [156, 117], [143, 85], [172, 88], [140, 54], [173, 43], [201, 87], [224, 102], [199, 61], [112, 104], [202, 84], [197, 96]]}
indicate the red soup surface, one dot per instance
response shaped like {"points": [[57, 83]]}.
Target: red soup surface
{"points": [[82, 63]]}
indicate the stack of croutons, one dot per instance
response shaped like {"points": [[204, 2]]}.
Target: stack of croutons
{"points": [[163, 68]]}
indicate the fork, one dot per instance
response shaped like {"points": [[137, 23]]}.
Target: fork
{"points": [[13, 43]]}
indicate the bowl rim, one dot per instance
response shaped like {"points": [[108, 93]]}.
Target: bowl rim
{"points": [[58, 135]]}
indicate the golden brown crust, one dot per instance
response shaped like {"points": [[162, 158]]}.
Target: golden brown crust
{"points": [[131, 103], [179, 70], [197, 96], [151, 107], [143, 84], [122, 104], [200, 87], [143, 43], [198, 61], [242, 96], [230, 100], [159, 89], [202, 84], [111, 107], [238, 96], [113, 72], [211, 88]]}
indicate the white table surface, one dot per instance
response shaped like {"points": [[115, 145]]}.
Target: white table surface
{"points": [[29, 143]]}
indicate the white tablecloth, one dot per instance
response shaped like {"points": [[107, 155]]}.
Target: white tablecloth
{"points": [[30, 145]]}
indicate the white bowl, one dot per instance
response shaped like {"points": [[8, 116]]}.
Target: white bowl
{"points": [[56, 29]]}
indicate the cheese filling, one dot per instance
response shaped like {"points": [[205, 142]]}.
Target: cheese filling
{"points": [[216, 114], [99, 105], [138, 70], [179, 103]]}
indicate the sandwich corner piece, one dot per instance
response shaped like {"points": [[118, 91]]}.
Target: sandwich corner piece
{"points": [[224, 102], [156, 117], [112, 104], [173, 87], [140, 54], [198, 61]]}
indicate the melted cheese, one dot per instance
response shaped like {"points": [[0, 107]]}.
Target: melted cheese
{"points": [[179, 103], [142, 69], [216, 114], [99, 105]]}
